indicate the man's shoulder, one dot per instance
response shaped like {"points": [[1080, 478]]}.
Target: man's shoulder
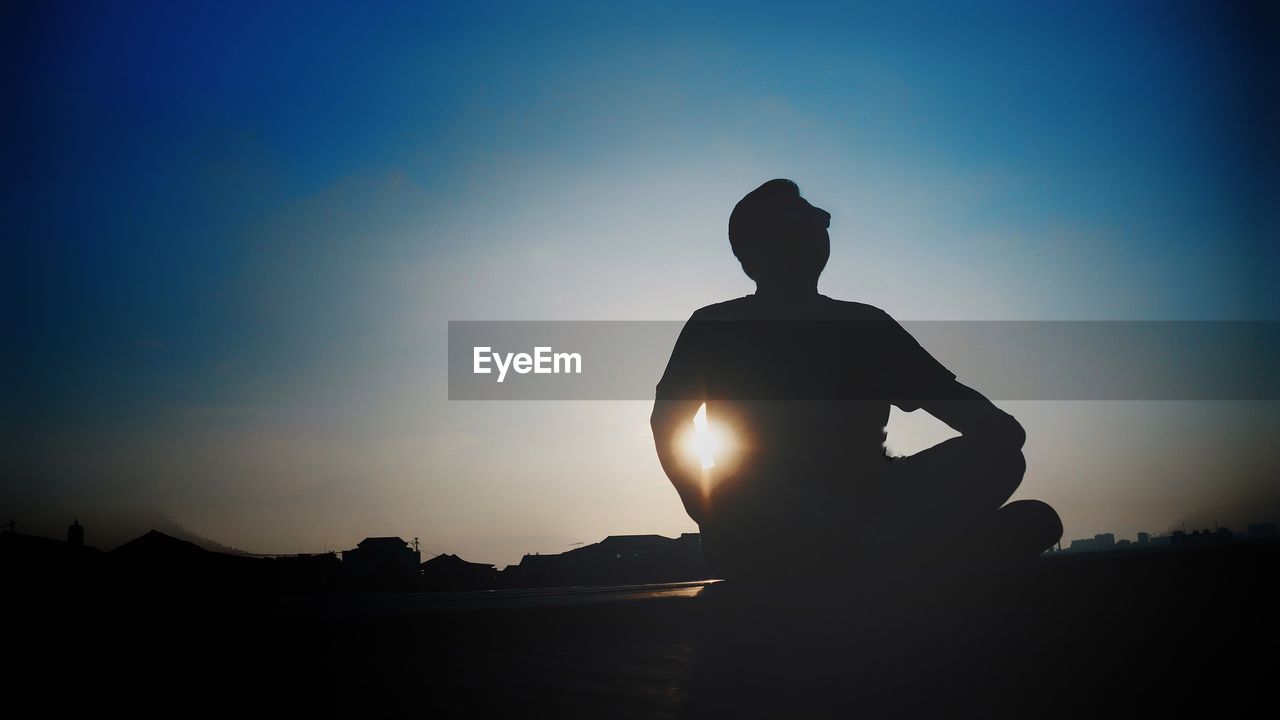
{"points": [[751, 307], [727, 310], [851, 310]]}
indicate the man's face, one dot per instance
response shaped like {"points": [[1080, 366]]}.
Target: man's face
{"points": [[809, 242]]}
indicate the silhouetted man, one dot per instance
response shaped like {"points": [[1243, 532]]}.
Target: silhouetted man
{"points": [[802, 384]]}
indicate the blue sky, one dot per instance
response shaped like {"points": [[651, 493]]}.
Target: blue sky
{"points": [[236, 234]]}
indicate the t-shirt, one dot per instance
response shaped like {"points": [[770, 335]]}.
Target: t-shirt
{"points": [[805, 388], [820, 350]]}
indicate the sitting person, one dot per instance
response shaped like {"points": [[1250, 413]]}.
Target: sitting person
{"points": [[804, 383]]}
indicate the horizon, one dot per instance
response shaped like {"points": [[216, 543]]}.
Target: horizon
{"points": [[212, 545]]}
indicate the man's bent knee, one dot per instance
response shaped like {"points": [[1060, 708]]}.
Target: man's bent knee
{"points": [[1038, 523]]}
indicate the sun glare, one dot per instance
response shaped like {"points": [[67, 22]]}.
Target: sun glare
{"points": [[704, 442]]}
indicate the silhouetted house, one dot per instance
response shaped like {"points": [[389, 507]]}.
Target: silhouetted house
{"points": [[157, 549], [45, 565], [382, 557], [155, 560], [616, 560], [309, 573], [536, 571], [450, 572], [1262, 530]]}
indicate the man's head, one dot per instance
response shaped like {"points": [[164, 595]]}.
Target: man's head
{"points": [[780, 239]]}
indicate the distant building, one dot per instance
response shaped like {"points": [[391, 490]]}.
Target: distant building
{"points": [[616, 560], [75, 534], [1101, 541], [1202, 537], [382, 557], [1262, 530], [1144, 538], [308, 573]]}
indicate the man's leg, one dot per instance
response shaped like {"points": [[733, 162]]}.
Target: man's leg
{"points": [[957, 477], [1021, 529], [950, 498]]}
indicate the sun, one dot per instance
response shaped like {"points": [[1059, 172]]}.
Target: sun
{"points": [[710, 444]]}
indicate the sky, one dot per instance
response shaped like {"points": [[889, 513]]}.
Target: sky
{"points": [[235, 234]]}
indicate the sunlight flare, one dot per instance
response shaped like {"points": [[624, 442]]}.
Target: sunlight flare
{"points": [[704, 441]]}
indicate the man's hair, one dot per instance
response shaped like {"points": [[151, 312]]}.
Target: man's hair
{"points": [[759, 221]]}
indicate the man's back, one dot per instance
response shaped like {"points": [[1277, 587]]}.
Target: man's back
{"points": [[804, 385], [827, 370]]}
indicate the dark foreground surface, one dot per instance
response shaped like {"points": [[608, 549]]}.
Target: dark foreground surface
{"points": [[1130, 633]]}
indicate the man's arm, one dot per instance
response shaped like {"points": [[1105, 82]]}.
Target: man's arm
{"points": [[667, 420], [679, 394], [920, 381], [971, 414]]}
